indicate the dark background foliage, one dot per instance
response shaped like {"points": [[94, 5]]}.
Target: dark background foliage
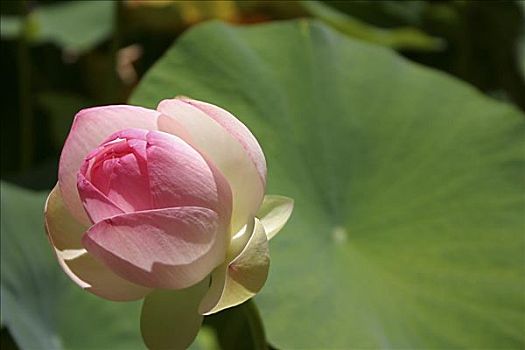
{"points": [[47, 78]]}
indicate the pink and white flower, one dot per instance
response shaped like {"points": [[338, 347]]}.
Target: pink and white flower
{"points": [[164, 204]]}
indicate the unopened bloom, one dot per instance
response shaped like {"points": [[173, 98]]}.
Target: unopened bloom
{"points": [[152, 201]]}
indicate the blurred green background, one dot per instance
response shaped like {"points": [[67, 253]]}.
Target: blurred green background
{"points": [[409, 230]]}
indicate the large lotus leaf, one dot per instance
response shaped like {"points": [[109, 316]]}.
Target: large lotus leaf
{"points": [[409, 225], [41, 307]]}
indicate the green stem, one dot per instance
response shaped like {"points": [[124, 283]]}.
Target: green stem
{"points": [[256, 325]]}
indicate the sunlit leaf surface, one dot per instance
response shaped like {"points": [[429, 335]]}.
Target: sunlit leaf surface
{"points": [[408, 227]]}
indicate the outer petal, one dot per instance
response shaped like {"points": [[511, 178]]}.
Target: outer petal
{"points": [[64, 234], [90, 128], [164, 248], [237, 129], [223, 149], [63, 230], [242, 278], [93, 276], [274, 213], [170, 319]]}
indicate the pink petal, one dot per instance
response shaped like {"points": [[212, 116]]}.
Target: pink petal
{"points": [[96, 278], [223, 149], [237, 129], [90, 128], [180, 176], [164, 248], [119, 170], [64, 233], [97, 205], [127, 184]]}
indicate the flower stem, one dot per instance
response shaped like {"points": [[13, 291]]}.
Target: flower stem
{"points": [[255, 324]]}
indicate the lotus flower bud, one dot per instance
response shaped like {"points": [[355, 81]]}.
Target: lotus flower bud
{"points": [[150, 201]]}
